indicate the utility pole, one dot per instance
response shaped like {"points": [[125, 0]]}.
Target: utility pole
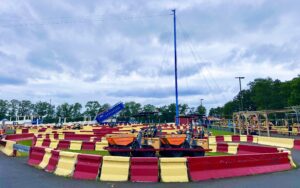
{"points": [[201, 101], [241, 98], [175, 60]]}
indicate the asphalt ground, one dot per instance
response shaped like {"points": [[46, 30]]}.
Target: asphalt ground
{"points": [[15, 173]]}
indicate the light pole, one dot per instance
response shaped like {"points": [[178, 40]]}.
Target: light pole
{"points": [[241, 97], [201, 102]]}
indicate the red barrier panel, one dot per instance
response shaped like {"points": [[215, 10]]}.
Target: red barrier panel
{"points": [[36, 155], [203, 168], [87, 167], [18, 137], [236, 138], [85, 137], [42, 130], [219, 138], [252, 149], [24, 131], [297, 144], [144, 169], [249, 138], [88, 145], [52, 161], [63, 144], [46, 142], [55, 136], [222, 147]]}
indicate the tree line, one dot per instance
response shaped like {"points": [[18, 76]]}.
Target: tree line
{"points": [[77, 112], [263, 94]]}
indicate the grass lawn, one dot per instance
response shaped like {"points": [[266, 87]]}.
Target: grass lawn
{"points": [[25, 142], [220, 132], [103, 153], [216, 154]]}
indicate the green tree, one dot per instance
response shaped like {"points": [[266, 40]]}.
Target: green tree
{"points": [[13, 108], [4, 106], [92, 108], [294, 98], [201, 110], [25, 108], [76, 112]]}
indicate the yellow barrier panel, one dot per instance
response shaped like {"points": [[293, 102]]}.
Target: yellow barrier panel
{"points": [[115, 168], [53, 144], [66, 163], [51, 137], [46, 158], [211, 139], [243, 138], [227, 138], [100, 146], [61, 136], [289, 156], [173, 170], [213, 147], [9, 148], [18, 131], [34, 131], [75, 145], [39, 142], [88, 128], [275, 141], [232, 148], [255, 139]]}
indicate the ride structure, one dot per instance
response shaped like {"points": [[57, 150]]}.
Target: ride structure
{"points": [[101, 117]]}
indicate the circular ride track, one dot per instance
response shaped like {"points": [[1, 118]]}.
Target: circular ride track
{"points": [[15, 172]]}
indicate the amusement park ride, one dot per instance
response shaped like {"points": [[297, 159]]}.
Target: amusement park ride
{"points": [[150, 140]]}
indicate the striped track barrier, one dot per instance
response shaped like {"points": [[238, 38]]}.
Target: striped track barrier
{"points": [[227, 138], [233, 148], [173, 170], [144, 169], [203, 168], [100, 146], [275, 141], [66, 164], [54, 144], [251, 149], [75, 145], [39, 142], [9, 148], [219, 138], [63, 145], [115, 168], [19, 137], [44, 163], [36, 155], [222, 147], [87, 145], [235, 138], [46, 142], [297, 144], [52, 161], [87, 167]]}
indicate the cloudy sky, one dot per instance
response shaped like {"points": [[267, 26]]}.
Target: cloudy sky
{"points": [[111, 51]]}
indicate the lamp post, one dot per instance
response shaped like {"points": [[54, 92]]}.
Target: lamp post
{"points": [[241, 97]]}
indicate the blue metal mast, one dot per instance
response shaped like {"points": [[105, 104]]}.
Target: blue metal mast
{"points": [[175, 59]]}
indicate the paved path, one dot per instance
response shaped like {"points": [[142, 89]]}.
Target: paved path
{"points": [[15, 173]]}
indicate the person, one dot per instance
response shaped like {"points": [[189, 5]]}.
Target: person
{"points": [[290, 129]]}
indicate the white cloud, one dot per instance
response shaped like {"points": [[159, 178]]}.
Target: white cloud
{"points": [[78, 51]]}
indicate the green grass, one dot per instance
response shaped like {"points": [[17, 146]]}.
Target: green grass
{"points": [[25, 142], [216, 154], [102, 153], [220, 132]]}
